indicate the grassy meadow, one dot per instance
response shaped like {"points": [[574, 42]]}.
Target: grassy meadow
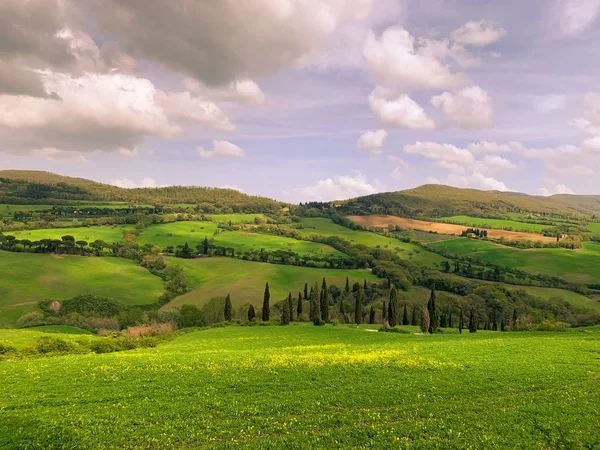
{"points": [[499, 224], [594, 227], [579, 266], [176, 233], [236, 218], [312, 387], [245, 280], [28, 278], [106, 233]]}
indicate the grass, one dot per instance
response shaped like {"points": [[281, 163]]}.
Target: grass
{"points": [[496, 224], [594, 227], [176, 233], [573, 265], [108, 234], [312, 387], [29, 278], [236, 218], [245, 280], [26, 337], [326, 227]]}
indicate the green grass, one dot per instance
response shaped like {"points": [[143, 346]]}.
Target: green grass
{"points": [[574, 265], [180, 232], [245, 280], [108, 234], [495, 224], [326, 227], [9, 210], [26, 337], [29, 278], [307, 387], [594, 227], [236, 218]]}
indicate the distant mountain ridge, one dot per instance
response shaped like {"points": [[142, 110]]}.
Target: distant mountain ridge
{"points": [[427, 201]]}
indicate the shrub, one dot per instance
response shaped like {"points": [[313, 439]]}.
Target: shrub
{"points": [[548, 325], [32, 319], [154, 329], [6, 349], [394, 330], [92, 306], [51, 344], [104, 346]]}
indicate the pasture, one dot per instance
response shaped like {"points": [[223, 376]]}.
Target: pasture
{"points": [[594, 227], [312, 387], [574, 265], [28, 278], [478, 222], [177, 233], [245, 280], [444, 228], [106, 233], [236, 218]]}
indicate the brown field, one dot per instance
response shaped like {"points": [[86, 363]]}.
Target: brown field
{"points": [[444, 228]]}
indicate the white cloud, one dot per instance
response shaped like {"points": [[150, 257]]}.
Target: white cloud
{"points": [[478, 34], [550, 103], [372, 141], [396, 61], [400, 111], [576, 16], [399, 161], [592, 144], [494, 147], [556, 190], [227, 40], [222, 149], [471, 108], [491, 164], [476, 180], [245, 92], [340, 188], [445, 153], [445, 50], [129, 184], [55, 154], [183, 106]]}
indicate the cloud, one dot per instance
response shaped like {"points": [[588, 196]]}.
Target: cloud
{"points": [[444, 153], [494, 147], [183, 106], [558, 189], [228, 40], [592, 144], [478, 34], [395, 60], [550, 103], [400, 111], [128, 184], [340, 188], [243, 92], [576, 16], [372, 141], [222, 149], [470, 108], [476, 180], [491, 164]]}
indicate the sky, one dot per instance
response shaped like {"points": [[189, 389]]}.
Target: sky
{"points": [[304, 100]]}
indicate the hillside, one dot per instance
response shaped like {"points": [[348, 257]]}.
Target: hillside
{"points": [[30, 187], [432, 201]]}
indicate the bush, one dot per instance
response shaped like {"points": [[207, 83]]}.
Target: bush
{"points": [[191, 316], [50, 344], [154, 329], [104, 346], [394, 330], [6, 349], [32, 319], [548, 325]]}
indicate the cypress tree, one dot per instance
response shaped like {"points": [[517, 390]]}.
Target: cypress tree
{"points": [[486, 324], [205, 245], [299, 304], [473, 321], [372, 315], [502, 325], [514, 319], [285, 313], [415, 320], [461, 323], [305, 291], [393, 307], [425, 326], [266, 311], [383, 313], [450, 321], [251, 313], [228, 308], [316, 302], [347, 288], [365, 287], [431, 308], [342, 303], [291, 307], [324, 302], [405, 316], [443, 323], [494, 321], [358, 307]]}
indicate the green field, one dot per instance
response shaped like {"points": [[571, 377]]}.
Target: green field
{"points": [[236, 218], [28, 278], [498, 224], [177, 233], [21, 338], [580, 266], [106, 233], [312, 387], [9, 210], [245, 280], [326, 227], [594, 227]]}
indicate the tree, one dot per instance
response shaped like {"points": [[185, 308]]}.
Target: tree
{"points": [[365, 287], [266, 311], [433, 319], [450, 321], [342, 311], [393, 307], [228, 308], [191, 316], [502, 325], [316, 304], [383, 313], [443, 320], [205, 245], [372, 315], [358, 306], [291, 307], [514, 319], [425, 326], [324, 302], [285, 312], [461, 323], [251, 312], [305, 291], [415, 320], [347, 288], [473, 321], [299, 311], [405, 316]]}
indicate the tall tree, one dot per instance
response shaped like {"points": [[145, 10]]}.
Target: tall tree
{"points": [[425, 320], [365, 287], [299, 304], [383, 313], [415, 320], [514, 319], [205, 245], [266, 311], [251, 312], [405, 316], [450, 320], [372, 315], [347, 288], [473, 321], [393, 307], [285, 313], [324, 302], [228, 308], [461, 322], [342, 308], [316, 304], [305, 291], [432, 309], [291, 307], [358, 306]]}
